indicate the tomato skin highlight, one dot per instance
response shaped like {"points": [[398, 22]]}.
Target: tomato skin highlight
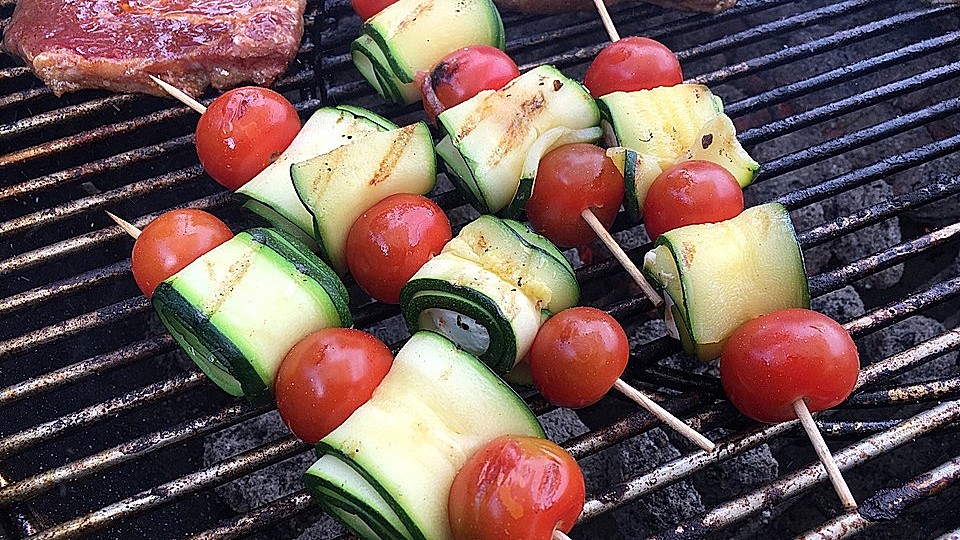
{"points": [[389, 242], [368, 8], [577, 356], [171, 242], [773, 360], [464, 73], [632, 63], [516, 488], [570, 179], [689, 193], [242, 132], [326, 376]]}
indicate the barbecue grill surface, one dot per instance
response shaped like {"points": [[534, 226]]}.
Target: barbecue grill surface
{"points": [[851, 107]]}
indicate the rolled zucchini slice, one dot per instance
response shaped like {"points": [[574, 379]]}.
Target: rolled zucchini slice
{"points": [[489, 288], [386, 471], [239, 308], [639, 171], [339, 186], [717, 276], [673, 124], [270, 195], [487, 139], [393, 47]]}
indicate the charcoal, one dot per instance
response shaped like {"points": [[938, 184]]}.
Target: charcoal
{"points": [[906, 334], [324, 528], [391, 331], [843, 304], [656, 511], [264, 485], [564, 424], [872, 239]]}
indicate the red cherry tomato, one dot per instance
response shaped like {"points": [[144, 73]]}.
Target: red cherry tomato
{"points": [[688, 193], [516, 488], [569, 179], [326, 376], [773, 360], [368, 8], [577, 356], [389, 242], [463, 74], [632, 63], [242, 132], [171, 242]]}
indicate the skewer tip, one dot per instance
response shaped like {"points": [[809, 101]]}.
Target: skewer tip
{"points": [[178, 94], [127, 227]]}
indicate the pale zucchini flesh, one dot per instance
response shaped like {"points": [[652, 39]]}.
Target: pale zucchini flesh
{"points": [[639, 171], [271, 195], [340, 185], [720, 275], [676, 123], [435, 408], [493, 132]]}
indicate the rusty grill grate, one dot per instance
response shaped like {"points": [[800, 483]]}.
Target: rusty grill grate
{"points": [[851, 107]]}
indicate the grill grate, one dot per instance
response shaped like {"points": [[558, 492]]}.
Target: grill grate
{"points": [[102, 423]]}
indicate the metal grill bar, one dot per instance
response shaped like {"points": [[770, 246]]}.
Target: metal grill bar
{"points": [[810, 48], [889, 503], [261, 518], [212, 476], [800, 481]]}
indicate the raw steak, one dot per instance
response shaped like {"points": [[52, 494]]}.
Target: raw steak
{"points": [[114, 44]]}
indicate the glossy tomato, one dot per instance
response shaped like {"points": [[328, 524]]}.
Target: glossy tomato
{"points": [[463, 74], [171, 242], [242, 132], [516, 488], [632, 63], [776, 359], [577, 356], [326, 376], [368, 8], [570, 179], [688, 193], [389, 242]]}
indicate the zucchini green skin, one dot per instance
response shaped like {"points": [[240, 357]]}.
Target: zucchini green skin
{"points": [[487, 139], [270, 195], [217, 342], [435, 408], [717, 276], [391, 48]]}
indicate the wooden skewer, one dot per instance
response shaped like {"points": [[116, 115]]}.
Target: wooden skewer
{"points": [[559, 535], [607, 21], [127, 227], [666, 416], [621, 256], [180, 95], [823, 452]]}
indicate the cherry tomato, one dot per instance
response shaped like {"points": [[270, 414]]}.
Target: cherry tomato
{"points": [[773, 360], [688, 193], [462, 74], [389, 242], [577, 356], [570, 179], [242, 132], [326, 376], [171, 242], [516, 488], [632, 63], [368, 8]]}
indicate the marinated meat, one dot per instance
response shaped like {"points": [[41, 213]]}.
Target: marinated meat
{"points": [[114, 44], [552, 6]]}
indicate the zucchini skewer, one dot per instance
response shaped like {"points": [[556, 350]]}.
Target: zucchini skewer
{"points": [[748, 169]]}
